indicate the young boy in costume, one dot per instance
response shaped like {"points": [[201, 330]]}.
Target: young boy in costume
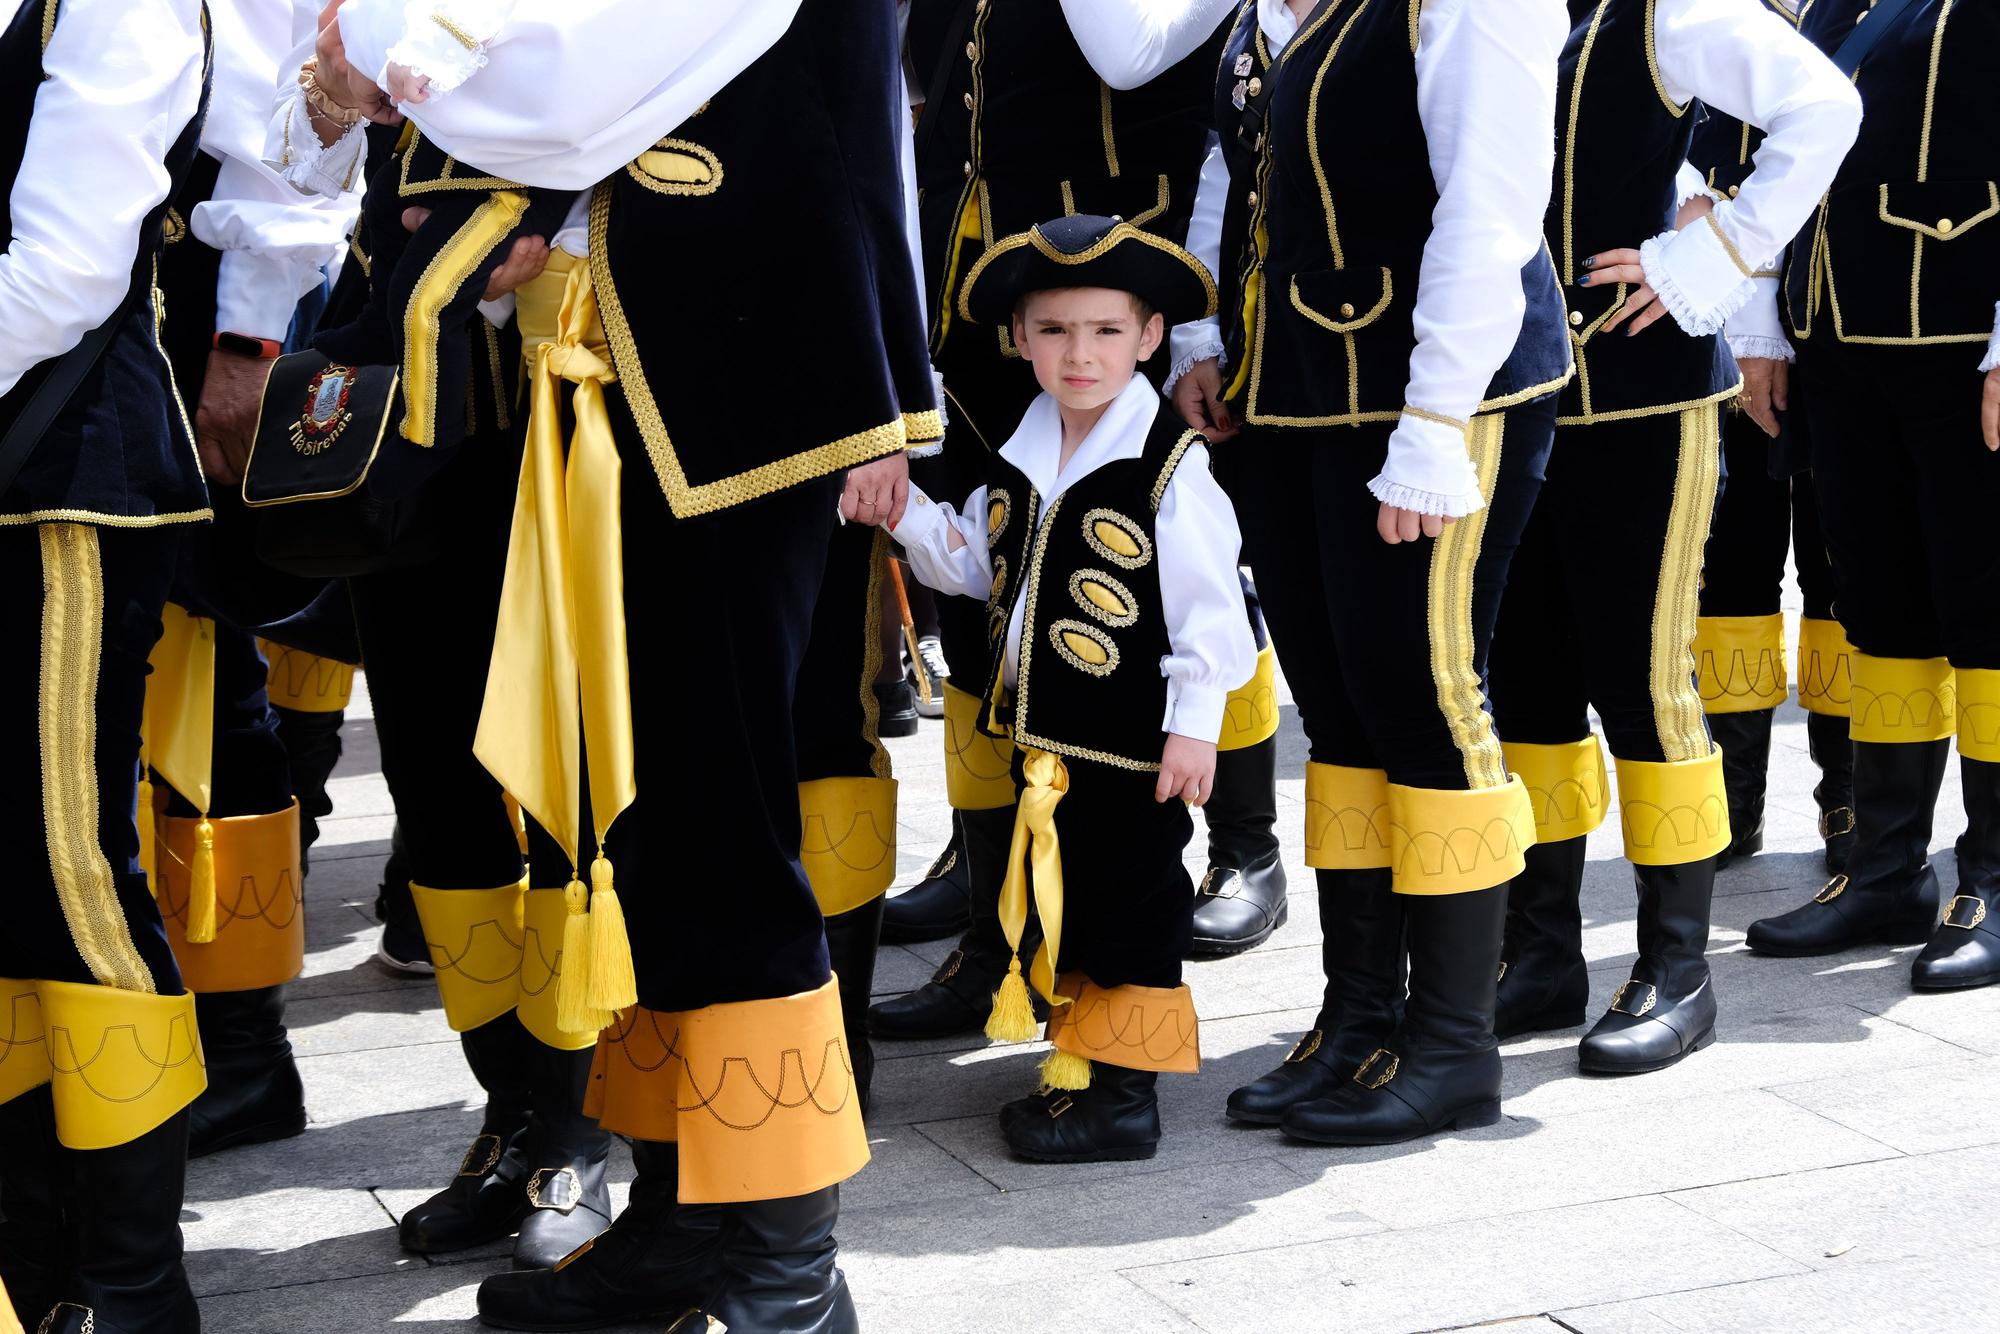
{"points": [[1106, 555]]}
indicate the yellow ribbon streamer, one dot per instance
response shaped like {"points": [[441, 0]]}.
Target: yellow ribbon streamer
{"points": [[1035, 843], [560, 684]]}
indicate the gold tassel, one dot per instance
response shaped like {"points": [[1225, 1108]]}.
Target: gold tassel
{"points": [[201, 886], [1013, 1016], [573, 1013], [148, 835], [613, 986], [1065, 1070]]}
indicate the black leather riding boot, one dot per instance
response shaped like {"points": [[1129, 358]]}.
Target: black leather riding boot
{"points": [[1361, 955], [1888, 893], [34, 1255], [253, 1094], [1241, 898], [852, 939], [1833, 752], [938, 905], [657, 1261], [1745, 742], [779, 1274], [122, 1220], [1116, 1119], [487, 1199], [1441, 1068], [1667, 1009], [1544, 979], [1965, 952], [565, 1194]]}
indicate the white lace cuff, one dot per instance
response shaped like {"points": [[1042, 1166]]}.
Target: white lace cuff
{"points": [[1689, 182], [1700, 276], [1428, 469], [1189, 343], [1992, 361], [293, 150], [1742, 346], [444, 42]]}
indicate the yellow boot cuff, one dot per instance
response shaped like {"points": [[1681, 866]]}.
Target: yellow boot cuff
{"points": [[1347, 818], [24, 1048], [1979, 713], [978, 773], [1740, 662], [1139, 1028], [1250, 714], [1673, 813], [1450, 842], [767, 1103], [260, 921], [475, 942], [122, 1061], [1567, 786], [1826, 668], [1903, 700], [635, 1077], [305, 681], [542, 916], [848, 840]]}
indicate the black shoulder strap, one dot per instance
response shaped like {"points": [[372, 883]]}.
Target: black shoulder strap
{"points": [[53, 394], [1868, 33], [941, 75]]}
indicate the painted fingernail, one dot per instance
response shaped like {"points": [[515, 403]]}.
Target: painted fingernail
{"points": [[1584, 281], [1590, 261]]}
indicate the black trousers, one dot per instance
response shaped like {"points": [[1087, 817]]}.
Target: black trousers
{"points": [[1600, 609], [1758, 519], [1909, 494], [835, 713], [1350, 613], [83, 606]]}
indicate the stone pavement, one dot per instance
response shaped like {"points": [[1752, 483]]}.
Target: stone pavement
{"points": [[1830, 1164]]}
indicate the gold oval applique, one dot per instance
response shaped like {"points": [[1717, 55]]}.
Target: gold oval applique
{"points": [[1117, 539], [999, 509], [678, 167], [999, 581], [1084, 647], [1104, 597]]}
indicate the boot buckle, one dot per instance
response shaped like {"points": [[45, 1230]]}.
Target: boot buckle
{"points": [[88, 1326], [1375, 1058], [1976, 908], [1826, 819], [563, 1199], [1618, 1005], [1208, 889], [1832, 890], [1057, 1106], [949, 968], [1305, 1047], [482, 1157]]}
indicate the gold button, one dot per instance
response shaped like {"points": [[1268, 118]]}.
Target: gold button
{"points": [[1576, 317], [1252, 200], [1944, 226], [968, 171], [1254, 87], [968, 101], [1735, 190], [972, 50], [1347, 310]]}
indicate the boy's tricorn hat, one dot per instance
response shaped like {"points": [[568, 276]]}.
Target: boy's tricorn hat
{"points": [[1087, 251]]}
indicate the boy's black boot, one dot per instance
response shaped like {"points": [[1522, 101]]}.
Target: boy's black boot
{"points": [[1241, 898], [1361, 956], [1544, 980], [939, 905], [1745, 742], [1667, 1008], [1833, 752], [122, 1219], [657, 1261], [1965, 952], [1888, 893], [778, 1270], [567, 1200], [253, 1094], [488, 1198], [852, 939], [1441, 1068], [33, 1241], [1115, 1119]]}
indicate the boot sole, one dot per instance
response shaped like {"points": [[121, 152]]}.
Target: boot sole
{"points": [[1134, 1153], [1475, 1117], [594, 1322], [265, 1132], [1587, 1067], [1911, 935], [1210, 948], [1969, 984], [1254, 1118]]}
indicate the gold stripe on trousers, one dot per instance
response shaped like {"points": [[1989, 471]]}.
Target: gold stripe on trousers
{"points": [[1677, 706], [1454, 560]]}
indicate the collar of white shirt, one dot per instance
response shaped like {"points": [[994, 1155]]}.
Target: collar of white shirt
{"points": [[1036, 445]]}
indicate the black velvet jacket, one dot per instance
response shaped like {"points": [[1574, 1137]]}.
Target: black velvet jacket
{"points": [[1323, 232], [753, 272], [121, 452], [1905, 249]]}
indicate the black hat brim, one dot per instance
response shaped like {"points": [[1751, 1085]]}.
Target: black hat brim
{"points": [[1124, 258]]}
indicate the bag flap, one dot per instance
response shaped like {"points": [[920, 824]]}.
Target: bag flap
{"points": [[1942, 210], [319, 429]]}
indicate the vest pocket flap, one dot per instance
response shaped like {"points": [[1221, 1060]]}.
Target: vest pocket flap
{"points": [[1942, 210], [1342, 300]]}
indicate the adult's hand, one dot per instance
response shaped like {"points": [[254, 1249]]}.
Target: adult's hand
{"points": [[339, 80], [1642, 304], [1198, 399], [1766, 391], [1400, 525], [225, 421], [525, 260], [875, 493]]}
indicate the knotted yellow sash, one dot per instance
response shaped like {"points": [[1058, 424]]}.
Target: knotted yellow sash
{"points": [[560, 685], [177, 738], [1012, 1018]]}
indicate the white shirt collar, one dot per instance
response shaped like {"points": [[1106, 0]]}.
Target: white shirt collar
{"points": [[1036, 445], [1278, 23]]}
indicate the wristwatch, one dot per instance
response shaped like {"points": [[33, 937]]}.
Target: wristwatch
{"points": [[243, 345]]}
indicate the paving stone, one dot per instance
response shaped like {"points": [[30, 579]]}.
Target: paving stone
{"points": [[1969, 1019], [273, 1238], [1092, 1305], [1458, 1273], [419, 1299], [1922, 1110]]}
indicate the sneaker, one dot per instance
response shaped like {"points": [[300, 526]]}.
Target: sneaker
{"points": [[931, 650]]}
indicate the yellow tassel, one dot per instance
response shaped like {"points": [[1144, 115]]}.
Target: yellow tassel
{"points": [[148, 835], [573, 1013], [201, 886], [1065, 1070], [1013, 1016], [612, 984]]}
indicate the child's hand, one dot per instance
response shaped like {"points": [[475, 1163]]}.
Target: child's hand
{"points": [[1187, 770], [406, 85]]}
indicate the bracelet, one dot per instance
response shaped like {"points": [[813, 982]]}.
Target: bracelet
{"points": [[321, 103]]}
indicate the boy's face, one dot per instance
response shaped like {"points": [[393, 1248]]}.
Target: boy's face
{"points": [[1084, 342]]}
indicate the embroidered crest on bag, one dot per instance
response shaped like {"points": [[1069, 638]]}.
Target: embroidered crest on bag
{"points": [[326, 413]]}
